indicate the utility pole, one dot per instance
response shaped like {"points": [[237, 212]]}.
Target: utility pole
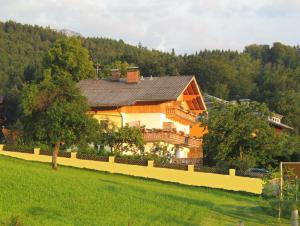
{"points": [[98, 69]]}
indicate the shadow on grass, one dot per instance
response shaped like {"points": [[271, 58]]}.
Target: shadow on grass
{"points": [[253, 215], [248, 214], [46, 213]]}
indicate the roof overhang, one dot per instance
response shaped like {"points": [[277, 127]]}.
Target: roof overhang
{"points": [[197, 102]]}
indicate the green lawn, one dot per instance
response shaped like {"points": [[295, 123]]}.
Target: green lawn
{"points": [[33, 194]]}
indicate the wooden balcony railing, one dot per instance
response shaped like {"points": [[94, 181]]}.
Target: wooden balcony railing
{"points": [[171, 138], [178, 114]]}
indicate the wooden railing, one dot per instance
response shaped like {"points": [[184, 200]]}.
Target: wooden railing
{"points": [[171, 138], [180, 115]]}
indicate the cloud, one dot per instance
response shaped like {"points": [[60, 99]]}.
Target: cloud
{"points": [[187, 26]]}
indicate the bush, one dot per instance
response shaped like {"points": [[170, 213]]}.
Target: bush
{"points": [[132, 160], [19, 148], [92, 157], [45, 147], [87, 149]]}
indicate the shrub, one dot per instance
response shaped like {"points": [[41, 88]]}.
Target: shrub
{"points": [[19, 148], [92, 157], [45, 147]]}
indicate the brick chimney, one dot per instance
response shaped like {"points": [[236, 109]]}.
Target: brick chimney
{"points": [[133, 75], [115, 74]]}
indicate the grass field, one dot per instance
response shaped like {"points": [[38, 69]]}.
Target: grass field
{"points": [[33, 194]]}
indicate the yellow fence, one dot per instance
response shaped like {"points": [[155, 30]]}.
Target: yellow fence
{"points": [[189, 177]]}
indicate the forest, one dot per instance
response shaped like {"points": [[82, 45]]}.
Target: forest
{"points": [[265, 73]]}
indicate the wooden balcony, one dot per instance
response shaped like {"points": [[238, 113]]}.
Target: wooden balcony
{"points": [[180, 115], [171, 138]]}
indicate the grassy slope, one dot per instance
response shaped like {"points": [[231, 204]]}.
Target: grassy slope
{"points": [[36, 195]]}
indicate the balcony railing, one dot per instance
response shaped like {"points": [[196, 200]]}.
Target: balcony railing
{"points": [[171, 138], [179, 114]]}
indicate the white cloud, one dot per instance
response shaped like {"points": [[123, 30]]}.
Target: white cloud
{"points": [[187, 26]]}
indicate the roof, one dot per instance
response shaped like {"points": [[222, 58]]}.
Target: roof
{"points": [[106, 92], [279, 125], [209, 101]]}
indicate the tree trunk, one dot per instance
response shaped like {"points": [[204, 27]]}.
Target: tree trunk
{"points": [[54, 156], [241, 152]]}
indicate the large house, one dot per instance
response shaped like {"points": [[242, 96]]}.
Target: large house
{"points": [[165, 107]]}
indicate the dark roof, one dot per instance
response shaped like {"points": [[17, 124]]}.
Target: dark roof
{"points": [[106, 92]]}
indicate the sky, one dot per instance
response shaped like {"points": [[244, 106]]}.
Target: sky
{"points": [[185, 25]]}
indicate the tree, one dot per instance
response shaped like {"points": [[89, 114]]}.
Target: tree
{"points": [[55, 114], [69, 56], [122, 66], [122, 139], [265, 73], [54, 109], [239, 134]]}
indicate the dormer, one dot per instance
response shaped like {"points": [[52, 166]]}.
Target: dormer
{"points": [[275, 118]]}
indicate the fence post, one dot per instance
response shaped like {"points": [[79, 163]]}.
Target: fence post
{"points": [[191, 168], [36, 151], [111, 159], [73, 155], [294, 217], [1, 147], [150, 163], [232, 172]]}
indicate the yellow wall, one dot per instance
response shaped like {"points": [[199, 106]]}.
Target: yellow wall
{"points": [[227, 182]]}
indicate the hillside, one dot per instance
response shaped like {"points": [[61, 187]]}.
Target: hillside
{"points": [[72, 196], [264, 73]]}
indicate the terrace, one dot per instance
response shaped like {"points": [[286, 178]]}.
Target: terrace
{"points": [[171, 137], [180, 115]]}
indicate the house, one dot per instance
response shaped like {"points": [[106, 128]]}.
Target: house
{"points": [[165, 107], [274, 119]]}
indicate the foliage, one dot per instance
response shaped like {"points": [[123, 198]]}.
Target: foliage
{"points": [[290, 191], [263, 73], [54, 111], [160, 153], [240, 135], [122, 66], [69, 56], [92, 150], [121, 140], [19, 147]]}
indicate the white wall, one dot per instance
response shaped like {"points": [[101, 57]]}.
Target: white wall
{"points": [[153, 120], [150, 120], [178, 126]]}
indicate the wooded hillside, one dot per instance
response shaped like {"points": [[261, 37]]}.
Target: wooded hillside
{"points": [[264, 73]]}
